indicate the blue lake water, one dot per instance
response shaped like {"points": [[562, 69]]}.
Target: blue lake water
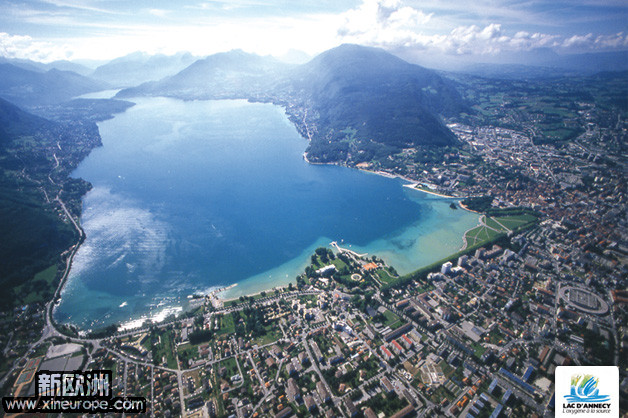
{"points": [[189, 196]]}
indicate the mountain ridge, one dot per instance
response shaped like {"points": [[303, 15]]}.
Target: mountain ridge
{"points": [[138, 67], [383, 98], [378, 97], [31, 88]]}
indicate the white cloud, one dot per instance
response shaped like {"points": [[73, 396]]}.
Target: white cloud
{"points": [[590, 41], [24, 47], [389, 24], [80, 5], [381, 19], [158, 12]]}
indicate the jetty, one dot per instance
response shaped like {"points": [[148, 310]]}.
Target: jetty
{"points": [[344, 250]]}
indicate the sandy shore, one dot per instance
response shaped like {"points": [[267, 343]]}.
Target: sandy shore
{"points": [[469, 210], [430, 192]]}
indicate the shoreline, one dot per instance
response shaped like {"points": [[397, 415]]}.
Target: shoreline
{"points": [[248, 295], [414, 187], [469, 210], [217, 297], [412, 184]]}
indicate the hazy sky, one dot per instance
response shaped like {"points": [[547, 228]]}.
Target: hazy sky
{"points": [[103, 29]]}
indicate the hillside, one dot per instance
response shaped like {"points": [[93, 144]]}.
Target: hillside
{"points": [[15, 123], [62, 65], [33, 88], [30, 179], [233, 74], [137, 68], [363, 96], [359, 101]]}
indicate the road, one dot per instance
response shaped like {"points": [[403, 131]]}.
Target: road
{"points": [[335, 399]]}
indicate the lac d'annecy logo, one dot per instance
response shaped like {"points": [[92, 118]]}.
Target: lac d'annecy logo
{"points": [[584, 389], [590, 390]]}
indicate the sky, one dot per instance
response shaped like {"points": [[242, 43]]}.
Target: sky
{"points": [[47, 30]]}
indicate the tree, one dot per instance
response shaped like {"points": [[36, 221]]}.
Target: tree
{"points": [[322, 253]]}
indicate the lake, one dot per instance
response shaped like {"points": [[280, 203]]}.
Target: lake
{"points": [[190, 196]]}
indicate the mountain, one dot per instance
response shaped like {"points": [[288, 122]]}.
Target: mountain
{"points": [[32, 88], [226, 74], [36, 159], [41, 67], [591, 63], [24, 64], [65, 65], [370, 95], [515, 71], [139, 67], [354, 96], [14, 123], [547, 64]]}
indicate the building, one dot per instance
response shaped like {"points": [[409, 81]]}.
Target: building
{"points": [[292, 390], [322, 392], [405, 412], [309, 403], [397, 332], [353, 411], [388, 387], [284, 413], [368, 413]]}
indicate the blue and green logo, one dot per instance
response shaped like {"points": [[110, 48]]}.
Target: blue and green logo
{"points": [[584, 389]]}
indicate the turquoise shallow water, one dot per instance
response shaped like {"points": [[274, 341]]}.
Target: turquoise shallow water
{"points": [[189, 196]]}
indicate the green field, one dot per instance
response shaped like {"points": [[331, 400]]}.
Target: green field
{"points": [[188, 350], [392, 320], [512, 222], [231, 365], [496, 226], [480, 235], [39, 289], [227, 325], [273, 333], [165, 348], [384, 276]]}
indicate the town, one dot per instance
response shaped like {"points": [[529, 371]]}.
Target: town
{"points": [[539, 283]]}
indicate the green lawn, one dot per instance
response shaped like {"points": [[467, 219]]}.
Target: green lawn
{"points": [[188, 350], [339, 264], [166, 348], [227, 325], [491, 222], [392, 320], [512, 222], [231, 365], [384, 276], [479, 349], [273, 333], [39, 289], [479, 235], [495, 226]]}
